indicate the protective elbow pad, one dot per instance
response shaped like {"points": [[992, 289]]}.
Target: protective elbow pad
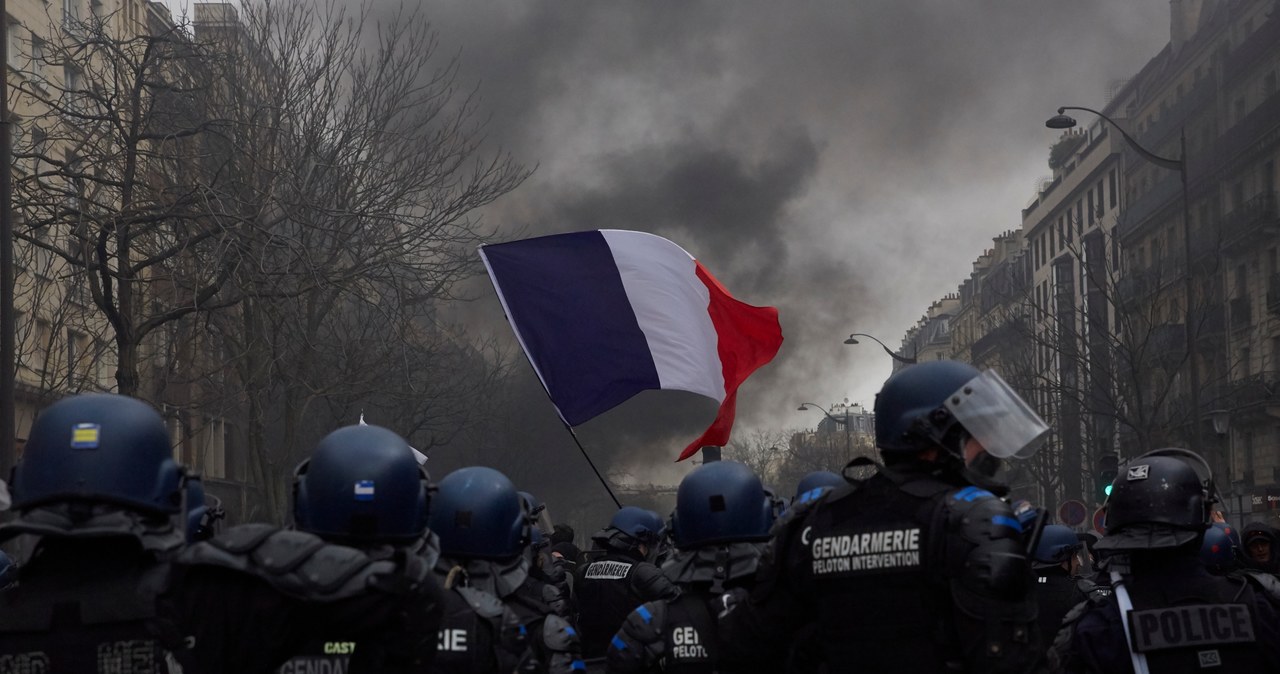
{"points": [[639, 646], [984, 551]]}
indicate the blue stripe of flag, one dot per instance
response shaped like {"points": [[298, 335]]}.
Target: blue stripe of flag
{"points": [[566, 298]]}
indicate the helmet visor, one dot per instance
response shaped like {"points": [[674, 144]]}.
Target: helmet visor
{"points": [[997, 417]]}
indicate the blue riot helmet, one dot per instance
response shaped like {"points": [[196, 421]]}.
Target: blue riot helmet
{"points": [[818, 479], [720, 502], [1057, 544], [362, 484], [99, 448], [940, 403], [643, 526], [1217, 551], [478, 514]]}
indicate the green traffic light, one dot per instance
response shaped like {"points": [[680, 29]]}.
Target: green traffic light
{"points": [[1107, 490]]}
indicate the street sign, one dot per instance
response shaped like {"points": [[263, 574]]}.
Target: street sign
{"points": [[1072, 513], [1099, 518]]}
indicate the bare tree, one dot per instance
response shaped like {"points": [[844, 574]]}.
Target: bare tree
{"points": [[360, 169]]}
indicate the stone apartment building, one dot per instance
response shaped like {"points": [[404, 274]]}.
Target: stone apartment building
{"points": [[1125, 301], [65, 343]]}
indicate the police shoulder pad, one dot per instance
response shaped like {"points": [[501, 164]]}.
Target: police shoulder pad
{"points": [[1264, 581], [558, 635], [296, 563], [484, 604]]}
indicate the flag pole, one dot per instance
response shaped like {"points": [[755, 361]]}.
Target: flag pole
{"points": [[591, 463]]}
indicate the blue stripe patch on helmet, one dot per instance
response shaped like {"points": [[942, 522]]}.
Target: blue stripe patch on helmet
{"points": [[364, 490], [644, 613]]}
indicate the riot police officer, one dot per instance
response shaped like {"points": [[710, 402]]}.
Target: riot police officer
{"points": [[621, 577], [204, 512], [720, 528], [920, 567], [1059, 588], [363, 487], [550, 577], [1167, 613], [99, 489], [495, 619]]}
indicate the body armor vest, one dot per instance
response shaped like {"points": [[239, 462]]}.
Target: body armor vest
{"points": [[478, 635], [1057, 593], [690, 639], [605, 597], [877, 546], [69, 616], [1197, 623]]}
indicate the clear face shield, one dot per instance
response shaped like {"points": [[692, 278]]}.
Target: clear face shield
{"points": [[997, 417], [541, 519]]}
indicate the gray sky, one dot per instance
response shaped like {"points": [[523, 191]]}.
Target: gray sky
{"points": [[843, 160]]}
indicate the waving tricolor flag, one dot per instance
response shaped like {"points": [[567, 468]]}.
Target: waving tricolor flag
{"points": [[603, 315]]}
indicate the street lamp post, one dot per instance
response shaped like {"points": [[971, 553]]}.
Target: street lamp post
{"points": [[1062, 121], [901, 359], [848, 442]]}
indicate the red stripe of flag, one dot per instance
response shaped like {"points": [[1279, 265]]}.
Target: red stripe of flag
{"points": [[748, 337]]}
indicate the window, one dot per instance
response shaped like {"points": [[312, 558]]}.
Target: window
{"points": [[11, 29], [70, 13], [77, 363], [40, 352], [38, 56], [1091, 209], [39, 143], [1112, 180]]}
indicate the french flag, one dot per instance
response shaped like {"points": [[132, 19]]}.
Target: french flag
{"points": [[605, 314]]}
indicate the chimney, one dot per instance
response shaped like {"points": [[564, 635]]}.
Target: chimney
{"points": [[1184, 18]]}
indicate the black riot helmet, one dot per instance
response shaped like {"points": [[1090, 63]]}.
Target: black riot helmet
{"points": [[940, 403], [1162, 499], [99, 448], [362, 485]]}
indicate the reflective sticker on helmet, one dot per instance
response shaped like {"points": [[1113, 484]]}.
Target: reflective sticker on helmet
{"points": [[85, 436], [364, 490], [1139, 472]]}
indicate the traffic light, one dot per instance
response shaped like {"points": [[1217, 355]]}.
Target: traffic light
{"points": [[1108, 465]]}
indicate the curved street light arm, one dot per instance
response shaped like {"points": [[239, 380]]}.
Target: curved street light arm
{"points": [[901, 359], [820, 408], [1165, 162]]}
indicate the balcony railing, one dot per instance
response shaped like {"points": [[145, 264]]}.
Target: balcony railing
{"points": [[1162, 194], [1241, 313], [1175, 118], [1254, 220], [1246, 135], [1261, 42]]}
